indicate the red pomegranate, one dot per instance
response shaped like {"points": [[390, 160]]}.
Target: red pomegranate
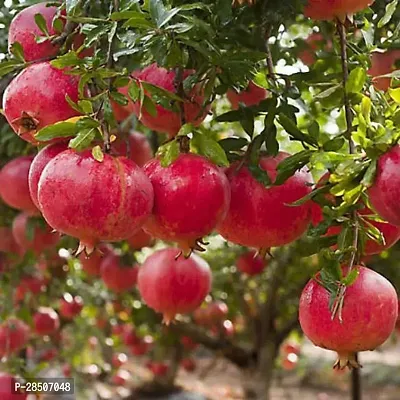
{"points": [[139, 149], [168, 121], [14, 188], [92, 200], [288, 348], [28, 108], [382, 64], [331, 9], [7, 241], [119, 359], [46, 321], [120, 378], [116, 276], [201, 317], [42, 236], [217, 312], [261, 217], [14, 336], [29, 285], [49, 354], [188, 343], [385, 191], [140, 349], [191, 196], [66, 370], [129, 336], [249, 97], [91, 264], [313, 43], [369, 315], [7, 383], [70, 306], [140, 239], [159, 368], [38, 164], [171, 284], [250, 263], [188, 364], [290, 361]]}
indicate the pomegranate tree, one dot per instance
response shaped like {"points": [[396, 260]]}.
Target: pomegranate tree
{"points": [[92, 200], [14, 336], [28, 108], [168, 121], [369, 316], [14, 188], [173, 285], [191, 196], [251, 96], [250, 263], [46, 321], [260, 216], [326, 10]]}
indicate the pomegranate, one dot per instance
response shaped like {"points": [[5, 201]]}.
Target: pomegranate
{"points": [[261, 217], [28, 108], [116, 276], [129, 336], [120, 378], [119, 359], [139, 240], [190, 197], [7, 383], [70, 306], [382, 64], [331, 9], [249, 97], [188, 364], [29, 285], [92, 264], [66, 370], [139, 149], [290, 361], [288, 348], [14, 336], [7, 241], [201, 316], [369, 315], [313, 43], [217, 312], [172, 285], [48, 355], [159, 368], [42, 236], [46, 321], [188, 343], [385, 191], [38, 164], [168, 121], [116, 194], [140, 349], [14, 188], [250, 263], [121, 113]]}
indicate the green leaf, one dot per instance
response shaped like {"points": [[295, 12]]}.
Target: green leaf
{"points": [[87, 123], [83, 139], [138, 22], [291, 128], [247, 120], [9, 66], [168, 153], [120, 15], [271, 141], [313, 245], [86, 106], [351, 277], [370, 173], [356, 80], [395, 94], [119, 98], [97, 153], [210, 148], [42, 24], [390, 10], [259, 174], [290, 165], [58, 130], [159, 14], [314, 130], [134, 90], [71, 5], [334, 144], [149, 106], [17, 51], [230, 116], [158, 91], [233, 143]]}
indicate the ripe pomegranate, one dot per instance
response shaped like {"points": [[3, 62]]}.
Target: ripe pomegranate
{"points": [[249, 97], [14, 335], [313, 43], [92, 264], [38, 164], [190, 197], [188, 364], [261, 217], [369, 315], [28, 108], [43, 237], [49, 354], [120, 378], [385, 191], [250, 263], [171, 284], [139, 240], [29, 285], [66, 370], [288, 348], [188, 343], [217, 312], [116, 276], [117, 195], [14, 189], [46, 321], [168, 121], [139, 149], [7, 241], [119, 359], [201, 316], [290, 361], [7, 383], [331, 9], [70, 306], [382, 64], [129, 336], [159, 368]]}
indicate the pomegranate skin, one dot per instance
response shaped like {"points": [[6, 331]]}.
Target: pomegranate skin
{"points": [[250, 263], [330, 9], [43, 237], [23, 29], [385, 191], [94, 201], [167, 121], [46, 321], [249, 97], [191, 196], [28, 108], [170, 284], [38, 164], [7, 382], [139, 148], [139, 240], [369, 315], [14, 188], [14, 335], [260, 217], [382, 64]]}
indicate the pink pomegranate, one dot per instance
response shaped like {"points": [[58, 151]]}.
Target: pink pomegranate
{"points": [[140, 239], [260, 217], [385, 191], [7, 241], [28, 108], [191, 197], [383, 64], [250, 263], [369, 315], [171, 284], [168, 121], [38, 164], [91, 264], [249, 97], [92, 200], [14, 188], [46, 321], [139, 148], [42, 236], [116, 276], [14, 336], [70, 306], [332, 9], [7, 383], [217, 312]]}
